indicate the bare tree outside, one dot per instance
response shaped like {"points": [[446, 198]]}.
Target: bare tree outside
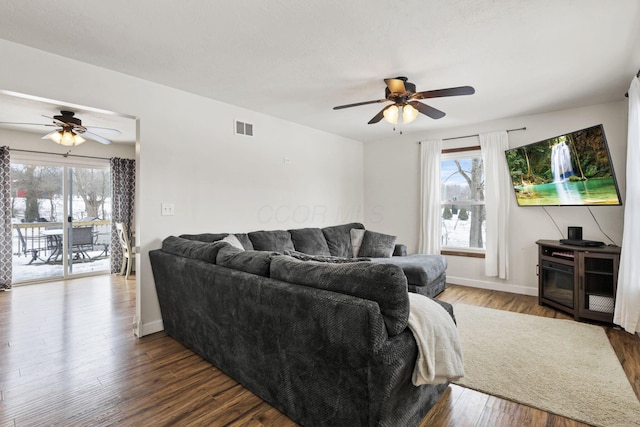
{"points": [[94, 186], [475, 180], [462, 183], [41, 188], [36, 184]]}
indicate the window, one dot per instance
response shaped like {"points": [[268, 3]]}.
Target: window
{"points": [[462, 200]]}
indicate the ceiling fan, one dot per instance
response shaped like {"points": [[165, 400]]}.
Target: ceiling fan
{"points": [[69, 130], [405, 101]]}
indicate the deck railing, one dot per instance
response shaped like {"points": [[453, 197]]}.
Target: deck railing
{"points": [[30, 239]]}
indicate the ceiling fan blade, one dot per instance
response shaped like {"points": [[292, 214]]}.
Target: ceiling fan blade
{"points": [[95, 137], [27, 124], [378, 116], [452, 91], [50, 133], [357, 104], [103, 130], [55, 121], [395, 85], [427, 110]]}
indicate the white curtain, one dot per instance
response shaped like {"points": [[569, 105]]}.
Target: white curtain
{"points": [[497, 193], [429, 241], [627, 310]]}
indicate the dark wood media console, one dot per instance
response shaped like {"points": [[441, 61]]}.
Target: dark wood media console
{"points": [[578, 280]]}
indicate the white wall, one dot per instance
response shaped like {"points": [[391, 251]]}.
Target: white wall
{"points": [[188, 155], [391, 169]]}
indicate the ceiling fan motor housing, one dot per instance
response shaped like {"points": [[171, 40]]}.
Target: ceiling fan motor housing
{"points": [[67, 117], [400, 97]]}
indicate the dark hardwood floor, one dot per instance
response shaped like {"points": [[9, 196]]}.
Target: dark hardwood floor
{"points": [[68, 357]]}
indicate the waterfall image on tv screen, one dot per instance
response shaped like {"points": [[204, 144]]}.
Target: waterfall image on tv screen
{"points": [[574, 169]]}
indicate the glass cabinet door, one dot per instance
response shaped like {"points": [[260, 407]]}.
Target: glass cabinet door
{"points": [[599, 276], [557, 283]]}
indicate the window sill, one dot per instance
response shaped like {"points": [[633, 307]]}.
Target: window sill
{"points": [[462, 253]]}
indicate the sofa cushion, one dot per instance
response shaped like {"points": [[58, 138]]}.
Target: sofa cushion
{"points": [[323, 258], [309, 241], [339, 239], [381, 283], [274, 240], [254, 262], [420, 269], [377, 245], [204, 251]]}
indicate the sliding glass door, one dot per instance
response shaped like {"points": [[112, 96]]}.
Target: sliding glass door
{"points": [[61, 219]]}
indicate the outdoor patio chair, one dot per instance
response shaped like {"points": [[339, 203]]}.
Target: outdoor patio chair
{"points": [[33, 249]]}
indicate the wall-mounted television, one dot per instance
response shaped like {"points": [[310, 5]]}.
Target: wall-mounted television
{"points": [[573, 169]]}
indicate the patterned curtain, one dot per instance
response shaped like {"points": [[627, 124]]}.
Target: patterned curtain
{"points": [[123, 184], [5, 219]]}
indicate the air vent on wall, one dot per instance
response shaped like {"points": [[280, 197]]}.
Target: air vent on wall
{"points": [[243, 128]]}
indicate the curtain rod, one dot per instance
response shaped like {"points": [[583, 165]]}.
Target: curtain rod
{"points": [[67, 154], [475, 134]]}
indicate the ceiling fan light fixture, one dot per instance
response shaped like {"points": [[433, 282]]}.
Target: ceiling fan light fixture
{"points": [[409, 113], [66, 137], [391, 114]]}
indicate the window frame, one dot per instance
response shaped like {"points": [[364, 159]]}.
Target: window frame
{"points": [[453, 154]]}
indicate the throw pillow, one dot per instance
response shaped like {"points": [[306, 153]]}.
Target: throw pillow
{"points": [[339, 239], [357, 235], [244, 239], [233, 241], [276, 241], [323, 258], [377, 245], [309, 241]]}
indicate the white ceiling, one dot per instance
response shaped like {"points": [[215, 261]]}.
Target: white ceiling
{"points": [[296, 59]]}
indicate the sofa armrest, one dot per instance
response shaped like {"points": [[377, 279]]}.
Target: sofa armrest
{"points": [[400, 250]]}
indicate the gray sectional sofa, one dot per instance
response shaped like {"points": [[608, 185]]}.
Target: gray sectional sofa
{"points": [[325, 341]]}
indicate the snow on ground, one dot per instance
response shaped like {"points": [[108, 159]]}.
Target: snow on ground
{"points": [[455, 232], [23, 271]]}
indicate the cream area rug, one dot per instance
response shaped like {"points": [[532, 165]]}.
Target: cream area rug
{"points": [[560, 366]]}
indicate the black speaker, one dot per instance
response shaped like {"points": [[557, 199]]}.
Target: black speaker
{"points": [[574, 233]]}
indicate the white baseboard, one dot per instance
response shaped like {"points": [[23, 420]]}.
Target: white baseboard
{"points": [[149, 328], [504, 287]]}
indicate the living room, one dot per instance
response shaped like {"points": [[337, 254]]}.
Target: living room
{"points": [[292, 175]]}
